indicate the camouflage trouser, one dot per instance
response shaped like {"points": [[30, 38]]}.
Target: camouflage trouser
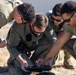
{"points": [[69, 47]]}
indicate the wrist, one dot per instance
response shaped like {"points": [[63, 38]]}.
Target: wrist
{"points": [[47, 58], [20, 59]]}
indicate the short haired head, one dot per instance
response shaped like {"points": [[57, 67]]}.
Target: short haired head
{"points": [[55, 17], [56, 9], [41, 21], [27, 11], [68, 7]]}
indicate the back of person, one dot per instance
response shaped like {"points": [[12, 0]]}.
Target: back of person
{"points": [[6, 9]]}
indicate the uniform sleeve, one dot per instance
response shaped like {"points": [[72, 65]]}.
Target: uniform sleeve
{"points": [[3, 19], [69, 29], [12, 41]]}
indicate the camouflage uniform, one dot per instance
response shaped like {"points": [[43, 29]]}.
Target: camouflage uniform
{"points": [[21, 40]]}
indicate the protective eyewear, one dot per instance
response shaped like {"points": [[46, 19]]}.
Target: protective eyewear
{"points": [[68, 20], [55, 19]]}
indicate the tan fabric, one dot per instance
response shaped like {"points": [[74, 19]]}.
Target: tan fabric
{"points": [[6, 9], [71, 30], [3, 20]]}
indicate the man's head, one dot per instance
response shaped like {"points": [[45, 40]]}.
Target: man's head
{"points": [[40, 24], [68, 12], [24, 13], [56, 15]]}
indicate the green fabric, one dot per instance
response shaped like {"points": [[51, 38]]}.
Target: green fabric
{"points": [[71, 30], [39, 44], [3, 20]]}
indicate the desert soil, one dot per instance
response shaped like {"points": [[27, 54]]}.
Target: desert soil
{"points": [[58, 68]]}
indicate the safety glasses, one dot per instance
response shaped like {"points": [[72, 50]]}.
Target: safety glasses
{"points": [[68, 20], [55, 19]]}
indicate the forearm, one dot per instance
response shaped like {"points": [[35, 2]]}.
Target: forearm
{"points": [[16, 55], [58, 45], [20, 59], [13, 51], [54, 50]]}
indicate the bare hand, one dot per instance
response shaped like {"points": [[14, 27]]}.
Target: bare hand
{"points": [[23, 65], [40, 61], [2, 44], [22, 62]]}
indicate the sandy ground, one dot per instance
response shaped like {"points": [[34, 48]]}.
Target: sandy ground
{"points": [[58, 68]]}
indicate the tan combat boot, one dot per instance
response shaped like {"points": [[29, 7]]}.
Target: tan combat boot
{"points": [[68, 63]]}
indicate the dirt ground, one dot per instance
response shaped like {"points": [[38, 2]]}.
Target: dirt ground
{"points": [[58, 68]]}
